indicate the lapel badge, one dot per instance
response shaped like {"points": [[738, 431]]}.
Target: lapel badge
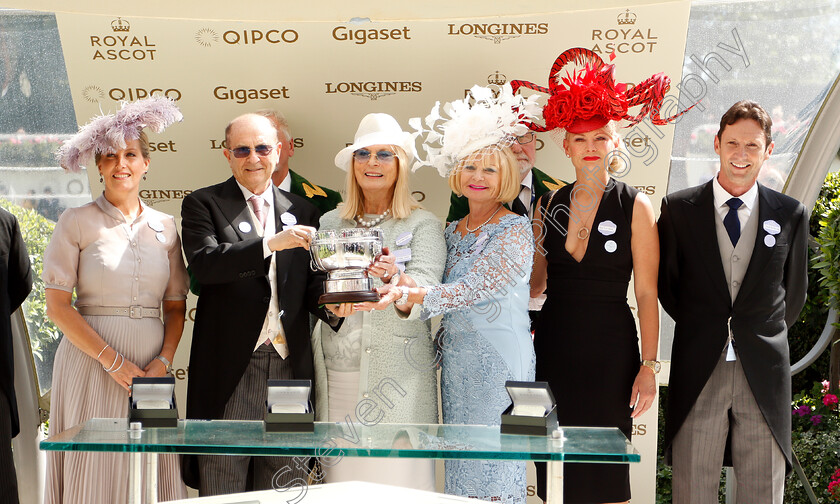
{"points": [[288, 219], [772, 227], [607, 228], [156, 226], [402, 255], [610, 246], [770, 240], [404, 239], [245, 227], [160, 237]]}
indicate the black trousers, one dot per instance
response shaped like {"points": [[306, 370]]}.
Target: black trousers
{"points": [[8, 476]]}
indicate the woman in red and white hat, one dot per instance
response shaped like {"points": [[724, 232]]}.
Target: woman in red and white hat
{"points": [[591, 236]]}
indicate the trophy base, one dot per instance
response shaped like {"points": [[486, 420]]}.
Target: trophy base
{"points": [[348, 297]]}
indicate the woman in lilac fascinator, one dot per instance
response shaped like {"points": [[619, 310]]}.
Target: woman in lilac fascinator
{"points": [[123, 261]]}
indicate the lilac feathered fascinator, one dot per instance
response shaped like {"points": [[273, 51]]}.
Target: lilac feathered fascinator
{"points": [[109, 133]]}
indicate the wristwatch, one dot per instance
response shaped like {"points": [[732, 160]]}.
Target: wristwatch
{"points": [[404, 298], [165, 363], [654, 365]]}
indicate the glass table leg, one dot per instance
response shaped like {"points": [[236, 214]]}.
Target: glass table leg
{"points": [[555, 482]]}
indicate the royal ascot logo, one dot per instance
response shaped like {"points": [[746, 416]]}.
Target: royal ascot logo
{"points": [[373, 90], [627, 38], [208, 37], [497, 32], [153, 197], [497, 79], [362, 36], [95, 94], [122, 46]]}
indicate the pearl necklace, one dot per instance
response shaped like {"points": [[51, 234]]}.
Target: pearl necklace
{"points": [[364, 223], [467, 224]]}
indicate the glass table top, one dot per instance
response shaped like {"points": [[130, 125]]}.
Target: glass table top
{"points": [[575, 444]]}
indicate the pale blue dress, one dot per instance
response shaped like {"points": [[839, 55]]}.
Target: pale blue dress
{"points": [[486, 341]]}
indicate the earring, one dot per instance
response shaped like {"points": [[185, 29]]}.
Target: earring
{"points": [[567, 155], [144, 176], [101, 180]]}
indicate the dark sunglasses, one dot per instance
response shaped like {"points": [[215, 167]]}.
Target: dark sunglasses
{"points": [[363, 155], [243, 152]]}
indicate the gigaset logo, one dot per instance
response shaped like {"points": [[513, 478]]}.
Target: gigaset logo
{"points": [[244, 95], [497, 32], [362, 36], [121, 45], [208, 37]]}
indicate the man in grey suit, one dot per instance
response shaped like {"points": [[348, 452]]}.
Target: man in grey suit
{"points": [[733, 275]]}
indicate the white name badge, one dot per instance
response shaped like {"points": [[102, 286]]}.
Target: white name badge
{"points": [[288, 219], [156, 226], [770, 240], [404, 239], [245, 227], [402, 255], [160, 237], [610, 246], [772, 227], [607, 228]]}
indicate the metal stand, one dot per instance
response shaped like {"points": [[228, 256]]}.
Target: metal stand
{"points": [[135, 477], [555, 482]]}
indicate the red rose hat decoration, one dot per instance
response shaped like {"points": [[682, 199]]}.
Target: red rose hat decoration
{"points": [[589, 98]]}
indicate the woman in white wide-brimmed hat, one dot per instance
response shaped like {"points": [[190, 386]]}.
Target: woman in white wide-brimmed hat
{"points": [[384, 356]]}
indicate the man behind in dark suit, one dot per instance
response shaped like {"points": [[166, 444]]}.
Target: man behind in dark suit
{"points": [[246, 242], [733, 275], [15, 284]]}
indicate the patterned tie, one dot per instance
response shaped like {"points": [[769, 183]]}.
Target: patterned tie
{"points": [[731, 222], [518, 207], [257, 205]]}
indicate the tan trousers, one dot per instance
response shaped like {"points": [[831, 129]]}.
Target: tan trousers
{"points": [[727, 404]]}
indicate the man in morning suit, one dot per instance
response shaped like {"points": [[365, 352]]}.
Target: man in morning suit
{"points": [[246, 242], [15, 284], [733, 275], [290, 181]]}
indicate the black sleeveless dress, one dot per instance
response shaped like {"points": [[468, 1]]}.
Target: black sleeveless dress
{"points": [[585, 340]]}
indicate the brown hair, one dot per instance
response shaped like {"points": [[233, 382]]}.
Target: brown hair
{"points": [[144, 148], [748, 109]]}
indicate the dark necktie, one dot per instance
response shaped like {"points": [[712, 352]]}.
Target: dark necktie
{"points": [[519, 207], [731, 222]]}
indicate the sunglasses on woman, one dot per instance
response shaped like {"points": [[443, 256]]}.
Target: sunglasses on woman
{"points": [[243, 152], [363, 155]]}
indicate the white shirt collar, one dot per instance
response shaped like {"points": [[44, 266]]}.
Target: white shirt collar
{"points": [[266, 196], [722, 196], [528, 181], [286, 183]]}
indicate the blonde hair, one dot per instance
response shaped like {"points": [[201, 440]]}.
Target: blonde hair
{"points": [[505, 159], [402, 204]]}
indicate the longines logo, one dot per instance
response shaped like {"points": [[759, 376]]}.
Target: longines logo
{"points": [[208, 37], [244, 95], [497, 32], [627, 38], [95, 94], [373, 90], [122, 45], [362, 36], [217, 144], [154, 196]]}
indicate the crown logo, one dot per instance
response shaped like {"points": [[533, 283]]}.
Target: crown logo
{"points": [[497, 78], [120, 25], [627, 18]]}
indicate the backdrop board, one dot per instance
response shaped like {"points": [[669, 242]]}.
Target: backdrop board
{"points": [[325, 70]]}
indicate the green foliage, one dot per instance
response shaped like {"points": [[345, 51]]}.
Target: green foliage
{"points": [[815, 441], [36, 231], [28, 150]]}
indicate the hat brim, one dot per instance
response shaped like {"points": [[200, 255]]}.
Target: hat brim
{"points": [[584, 125], [403, 140]]}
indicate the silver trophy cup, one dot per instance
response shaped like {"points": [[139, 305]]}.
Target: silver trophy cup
{"points": [[345, 254]]}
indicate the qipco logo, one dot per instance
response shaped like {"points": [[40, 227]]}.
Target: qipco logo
{"points": [[132, 94], [251, 37]]}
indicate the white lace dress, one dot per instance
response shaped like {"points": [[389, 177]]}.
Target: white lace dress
{"points": [[486, 341]]}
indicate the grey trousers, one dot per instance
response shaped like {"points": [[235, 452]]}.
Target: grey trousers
{"points": [[727, 404], [226, 474]]}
